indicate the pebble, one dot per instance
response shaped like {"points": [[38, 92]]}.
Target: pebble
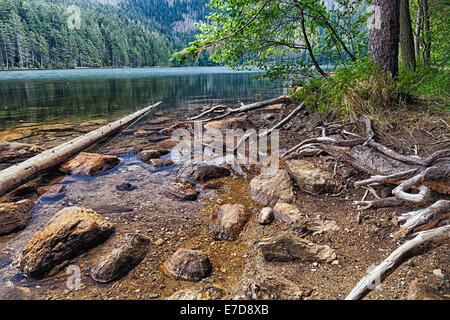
{"points": [[153, 296], [439, 273]]}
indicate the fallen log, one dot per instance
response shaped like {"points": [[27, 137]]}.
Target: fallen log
{"points": [[423, 242], [16, 175]]}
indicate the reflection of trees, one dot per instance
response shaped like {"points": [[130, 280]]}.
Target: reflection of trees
{"points": [[35, 101]]}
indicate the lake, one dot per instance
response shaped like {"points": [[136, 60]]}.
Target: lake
{"points": [[32, 98]]}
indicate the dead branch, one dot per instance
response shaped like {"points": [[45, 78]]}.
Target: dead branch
{"points": [[423, 242], [225, 111]]}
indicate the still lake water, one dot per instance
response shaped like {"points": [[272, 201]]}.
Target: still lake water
{"points": [[61, 96]]}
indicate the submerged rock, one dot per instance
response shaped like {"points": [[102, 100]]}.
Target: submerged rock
{"points": [[126, 186], [53, 192], [189, 265], [15, 216], [265, 216], [286, 213], [147, 155], [70, 232], [286, 247], [128, 252], [12, 153], [271, 188], [227, 221], [311, 179], [161, 163], [183, 191], [89, 164], [124, 151]]}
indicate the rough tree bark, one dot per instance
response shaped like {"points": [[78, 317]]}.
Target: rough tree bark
{"points": [[406, 36], [426, 33], [385, 36], [418, 31]]}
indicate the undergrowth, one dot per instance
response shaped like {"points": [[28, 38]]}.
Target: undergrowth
{"points": [[362, 88]]}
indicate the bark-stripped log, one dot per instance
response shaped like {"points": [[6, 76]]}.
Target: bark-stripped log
{"points": [[17, 175], [423, 242]]}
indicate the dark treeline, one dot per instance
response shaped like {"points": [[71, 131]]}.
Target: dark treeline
{"points": [[36, 33]]}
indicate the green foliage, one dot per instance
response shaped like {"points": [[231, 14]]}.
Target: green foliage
{"points": [[267, 35], [430, 82], [359, 88], [135, 33]]}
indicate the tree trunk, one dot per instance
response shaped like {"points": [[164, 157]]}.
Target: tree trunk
{"points": [[426, 33], [406, 36], [385, 36], [419, 21]]}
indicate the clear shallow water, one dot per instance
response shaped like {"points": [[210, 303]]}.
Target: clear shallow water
{"points": [[60, 96]]}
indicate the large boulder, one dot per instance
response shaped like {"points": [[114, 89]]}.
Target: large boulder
{"points": [[189, 265], [227, 221], [89, 164], [70, 232], [128, 252], [287, 247], [311, 179], [15, 216], [271, 188]]}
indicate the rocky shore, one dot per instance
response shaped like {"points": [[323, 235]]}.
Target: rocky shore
{"points": [[139, 227]]}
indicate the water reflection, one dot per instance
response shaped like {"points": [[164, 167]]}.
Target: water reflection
{"points": [[74, 99]]}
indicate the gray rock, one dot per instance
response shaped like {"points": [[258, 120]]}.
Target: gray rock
{"points": [[311, 179], [286, 213], [259, 282], [287, 247], [15, 216], [265, 216], [70, 232], [128, 252], [227, 221], [271, 188], [189, 265]]}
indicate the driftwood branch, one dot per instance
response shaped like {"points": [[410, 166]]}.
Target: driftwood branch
{"points": [[226, 111], [421, 243]]}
